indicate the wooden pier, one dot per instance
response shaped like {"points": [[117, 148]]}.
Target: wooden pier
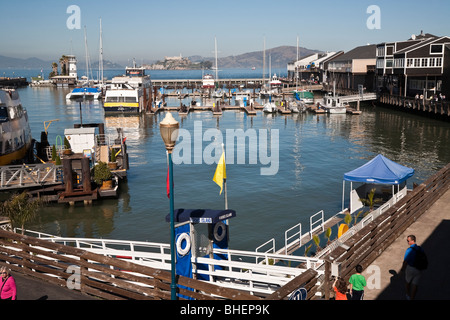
{"points": [[428, 107]]}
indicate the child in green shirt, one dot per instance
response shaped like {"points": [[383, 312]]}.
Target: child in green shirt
{"points": [[357, 284]]}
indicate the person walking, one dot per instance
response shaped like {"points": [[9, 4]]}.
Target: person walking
{"points": [[414, 263], [8, 289], [357, 284]]}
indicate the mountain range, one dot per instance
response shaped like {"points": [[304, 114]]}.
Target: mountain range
{"points": [[277, 57]]}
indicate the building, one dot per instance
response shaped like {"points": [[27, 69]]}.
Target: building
{"points": [[311, 67], [417, 66], [354, 69], [72, 66]]}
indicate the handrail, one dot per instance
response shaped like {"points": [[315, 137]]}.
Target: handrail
{"points": [[23, 176]]}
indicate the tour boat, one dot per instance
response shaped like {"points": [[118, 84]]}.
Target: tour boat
{"points": [[16, 139], [126, 93]]}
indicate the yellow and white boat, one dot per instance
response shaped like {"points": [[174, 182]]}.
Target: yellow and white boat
{"points": [[126, 93], [15, 133]]}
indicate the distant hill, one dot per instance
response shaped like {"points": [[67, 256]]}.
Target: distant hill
{"points": [[35, 63], [8, 62], [279, 56]]}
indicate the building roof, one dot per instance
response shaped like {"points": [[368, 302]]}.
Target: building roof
{"points": [[362, 52]]}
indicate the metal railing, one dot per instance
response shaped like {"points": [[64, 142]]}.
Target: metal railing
{"points": [[31, 175]]}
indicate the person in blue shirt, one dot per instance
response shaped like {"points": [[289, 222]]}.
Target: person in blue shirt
{"points": [[412, 274]]}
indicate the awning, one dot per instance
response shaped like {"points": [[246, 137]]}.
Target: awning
{"points": [[201, 215], [380, 170]]}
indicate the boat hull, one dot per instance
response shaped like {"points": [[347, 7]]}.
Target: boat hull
{"points": [[20, 154], [133, 108]]}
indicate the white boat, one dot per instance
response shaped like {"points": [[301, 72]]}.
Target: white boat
{"points": [[15, 132], [218, 93], [275, 82], [208, 81], [333, 104], [84, 93], [126, 93], [124, 100], [242, 98], [270, 107], [303, 95]]}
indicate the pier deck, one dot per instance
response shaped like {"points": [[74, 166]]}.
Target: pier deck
{"points": [[431, 230]]}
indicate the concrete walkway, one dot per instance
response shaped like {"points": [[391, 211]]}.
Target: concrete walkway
{"points": [[432, 232]]}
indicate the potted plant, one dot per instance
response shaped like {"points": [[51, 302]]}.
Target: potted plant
{"points": [[54, 154], [67, 147], [102, 175], [113, 163]]}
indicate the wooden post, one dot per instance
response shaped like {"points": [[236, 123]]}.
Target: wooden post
{"points": [[326, 281], [86, 174], [67, 173]]}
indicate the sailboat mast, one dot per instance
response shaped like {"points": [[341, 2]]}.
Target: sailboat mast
{"points": [[264, 62], [217, 68], [296, 68], [101, 53], [87, 54]]}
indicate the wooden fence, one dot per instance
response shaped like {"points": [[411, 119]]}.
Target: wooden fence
{"points": [[115, 279], [367, 244], [438, 108]]}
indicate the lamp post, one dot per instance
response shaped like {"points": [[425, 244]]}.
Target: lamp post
{"points": [[169, 133]]}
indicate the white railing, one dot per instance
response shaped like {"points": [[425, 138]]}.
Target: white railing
{"points": [[312, 223], [288, 237], [364, 222]]}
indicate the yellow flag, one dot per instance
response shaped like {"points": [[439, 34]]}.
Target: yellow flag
{"points": [[221, 172]]}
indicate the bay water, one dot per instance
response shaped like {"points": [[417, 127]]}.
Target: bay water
{"points": [[314, 152]]}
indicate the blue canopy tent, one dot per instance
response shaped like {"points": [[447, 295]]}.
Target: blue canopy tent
{"points": [[379, 170]]}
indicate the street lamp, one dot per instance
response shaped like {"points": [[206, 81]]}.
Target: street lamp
{"points": [[169, 133]]}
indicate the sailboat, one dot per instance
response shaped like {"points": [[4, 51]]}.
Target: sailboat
{"points": [[270, 107], [218, 93], [302, 95], [85, 91]]}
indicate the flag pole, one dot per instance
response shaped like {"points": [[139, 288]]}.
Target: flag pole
{"points": [[225, 183]]}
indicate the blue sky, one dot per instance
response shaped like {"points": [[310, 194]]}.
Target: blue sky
{"points": [[150, 30]]}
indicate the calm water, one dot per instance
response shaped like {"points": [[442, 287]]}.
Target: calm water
{"points": [[314, 153]]}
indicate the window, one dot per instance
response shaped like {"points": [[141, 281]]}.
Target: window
{"points": [[409, 62], [389, 63], [416, 62], [436, 48], [439, 62]]}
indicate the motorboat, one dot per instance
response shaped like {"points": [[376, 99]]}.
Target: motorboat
{"points": [[270, 107], [275, 82], [84, 93], [333, 104], [242, 98], [303, 95], [16, 139], [208, 81]]}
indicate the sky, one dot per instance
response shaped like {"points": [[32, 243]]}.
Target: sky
{"points": [[148, 30]]}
